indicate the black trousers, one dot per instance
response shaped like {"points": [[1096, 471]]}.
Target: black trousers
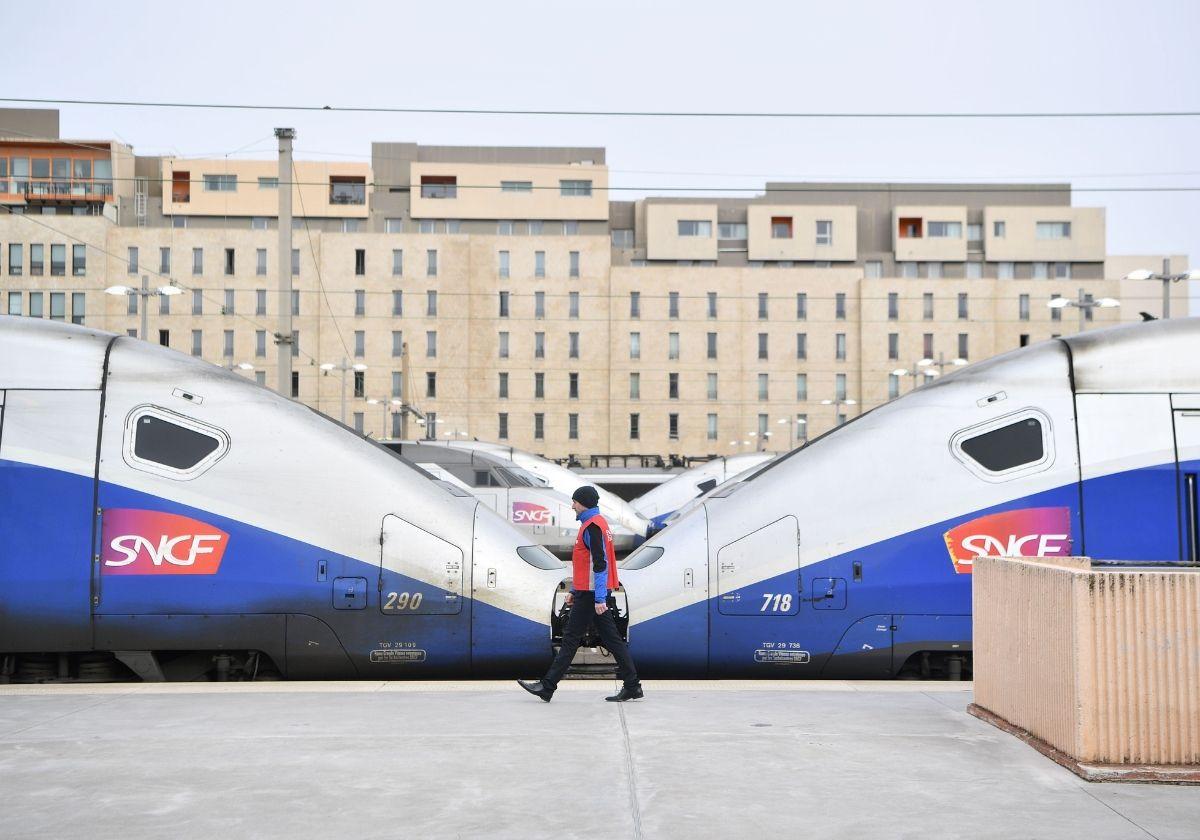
{"points": [[583, 613]]}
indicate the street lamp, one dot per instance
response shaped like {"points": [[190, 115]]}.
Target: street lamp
{"points": [[343, 367], [837, 408], [792, 424], [1167, 279], [430, 431], [384, 403], [1085, 305], [941, 364], [145, 293], [238, 366]]}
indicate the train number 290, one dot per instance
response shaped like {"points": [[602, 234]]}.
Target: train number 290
{"points": [[402, 601], [776, 603]]}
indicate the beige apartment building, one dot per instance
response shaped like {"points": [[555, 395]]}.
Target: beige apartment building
{"points": [[500, 294]]}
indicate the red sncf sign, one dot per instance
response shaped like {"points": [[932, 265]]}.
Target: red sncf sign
{"points": [[151, 542]]}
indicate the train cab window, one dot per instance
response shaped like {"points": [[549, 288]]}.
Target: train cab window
{"points": [[168, 444], [484, 478], [643, 557], [538, 557], [1005, 447]]}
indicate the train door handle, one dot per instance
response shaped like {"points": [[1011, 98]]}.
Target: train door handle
{"points": [[491, 580]]}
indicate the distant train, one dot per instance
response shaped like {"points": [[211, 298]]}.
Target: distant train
{"points": [[667, 498], [191, 524]]}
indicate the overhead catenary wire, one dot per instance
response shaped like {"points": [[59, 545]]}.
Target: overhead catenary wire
{"points": [[317, 265], [577, 112]]}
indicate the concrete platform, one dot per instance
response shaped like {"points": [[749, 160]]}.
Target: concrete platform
{"points": [[693, 760]]}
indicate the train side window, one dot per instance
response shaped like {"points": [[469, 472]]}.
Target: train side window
{"points": [[1006, 447], [168, 444]]}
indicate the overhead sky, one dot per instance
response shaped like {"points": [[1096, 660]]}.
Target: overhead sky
{"points": [[926, 56]]}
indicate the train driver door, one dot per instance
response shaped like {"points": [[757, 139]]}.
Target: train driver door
{"points": [[420, 585]]}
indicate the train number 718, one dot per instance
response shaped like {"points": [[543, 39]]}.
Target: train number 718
{"points": [[776, 603]]}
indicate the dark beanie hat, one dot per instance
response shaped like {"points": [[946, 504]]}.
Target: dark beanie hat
{"points": [[586, 496]]}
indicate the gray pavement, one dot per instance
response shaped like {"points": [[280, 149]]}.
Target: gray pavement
{"points": [[482, 759]]}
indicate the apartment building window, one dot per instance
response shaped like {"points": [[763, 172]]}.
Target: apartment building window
{"points": [[539, 345], [503, 304], [58, 306], [427, 226], [974, 233], [672, 386], [1053, 230], [575, 188], [908, 270], [873, 270], [350, 225], [164, 336], [695, 227], [945, 230], [431, 344], [360, 342], [622, 238], [58, 260], [539, 263], [673, 426], [77, 306], [574, 263], [763, 312], [963, 353], [536, 227], [824, 232], [570, 228], [1062, 271], [801, 387], [230, 297], [503, 267], [37, 260], [573, 426], [260, 301], [839, 386], [197, 301], [260, 343], [295, 262], [228, 349], [712, 304], [393, 226], [430, 385], [893, 386], [431, 425], [711, 344], [539, 304], [260, 261], [431, 303], [14, 303], [1088, 312], [635, 304], [711, 422], [573, 385], [762, 345], [258, 222], [131, 261], [635, 345], [431, 263], [79, 260], [179, 221], [229, 262], [672, 304], [635, 386], [220, 183], [397, 302], [1023, 340], [781, 227], [634, 426], [998, 230], [295, 383], [1056, 313], [893, 303], [1005, 271], [539, 385], [801, 345], [1023, 307], [35, 306], [673, 346], [711, 390], [16, 259], [516, 186], [397, 343], [131, 304], [1041, 271], [933, 270], [801, 428], [197, 342], [840, 306], [295, 301], [573, 345], [974, 271], [927, 346], [573, 305], [763, 385], [502, 385], [397, 262], [539, 426], [839, 344], [962, 306], [502, 425], [439, 186], [927, 306], [893, 345]]}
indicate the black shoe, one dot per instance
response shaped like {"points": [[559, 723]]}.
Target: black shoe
{"points": [[539, 689], [626, 693]]}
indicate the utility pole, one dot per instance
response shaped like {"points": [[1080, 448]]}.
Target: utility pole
{"points": [[405, 391], [283, 338], [1166, 275]]}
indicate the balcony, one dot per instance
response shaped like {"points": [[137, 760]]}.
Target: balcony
{"points": [[345, 190], [57, 189]]}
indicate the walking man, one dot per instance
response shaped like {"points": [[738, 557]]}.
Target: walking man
{"points": [[593, 576]]}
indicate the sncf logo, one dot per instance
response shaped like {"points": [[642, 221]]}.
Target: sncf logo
{"points": [[151, 542], [1032, 532], [529, 513]]}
